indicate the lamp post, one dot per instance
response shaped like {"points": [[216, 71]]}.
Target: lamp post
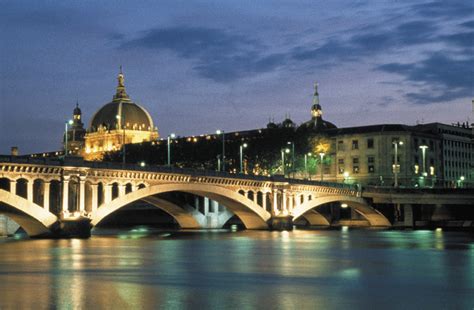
{"points": [[306, 163], [120, 118], [221, 132], [283, 151], [346, 177], [321, 165], [242, 146], [69, 122], [395, 170], [171, 136], [423, 150], [292, 156]]}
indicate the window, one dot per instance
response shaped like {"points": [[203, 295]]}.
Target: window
{"points": [[415, 143], [371, 168], [355, 144], [371, 164], [355, 165], [371, 159], [340, 145], [341, 169], [340, 161], [370, 143]]}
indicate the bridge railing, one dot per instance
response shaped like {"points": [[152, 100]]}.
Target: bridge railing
{"points": [[416, 190], [79, 162]]}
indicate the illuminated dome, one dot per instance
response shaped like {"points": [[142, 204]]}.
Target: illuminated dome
{"points": [[121, 113]]}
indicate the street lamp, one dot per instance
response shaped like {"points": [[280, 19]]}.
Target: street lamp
{"points": [[283, 151], [120, 119], [292, 156], [171, 136], [321, 166], [395, 170], [221, 132], [306, 163], [242, 146], [423, 149], [69, 122], [346, 177]]}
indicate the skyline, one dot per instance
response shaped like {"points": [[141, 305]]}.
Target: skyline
{"points": [[201, 67]]}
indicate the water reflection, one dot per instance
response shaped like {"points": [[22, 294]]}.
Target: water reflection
{"points": [[244, 270]]}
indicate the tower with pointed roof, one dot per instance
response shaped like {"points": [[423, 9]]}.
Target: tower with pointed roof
{"points": [[117, 122], [76, 133], [317, 123]]}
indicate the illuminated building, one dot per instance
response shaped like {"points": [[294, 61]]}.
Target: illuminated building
{"points": [[118, 122]]}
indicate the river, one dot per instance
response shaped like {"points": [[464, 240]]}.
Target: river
{"points": [[302, 269]]}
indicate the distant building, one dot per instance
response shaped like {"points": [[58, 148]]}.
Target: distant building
{"points": [[118, 122]]}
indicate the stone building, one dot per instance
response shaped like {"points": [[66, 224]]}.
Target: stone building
{"points": [[118, 122]]}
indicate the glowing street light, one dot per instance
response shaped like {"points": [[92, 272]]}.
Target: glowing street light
{"points": [[346, 176], [395, 170], [221, 132], [242, 146], [423, 150], [171, 136], [292, 156], [321, 165], [283, 152], [306, 163], [69, 122]]}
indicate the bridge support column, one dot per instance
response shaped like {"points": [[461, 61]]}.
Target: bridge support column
{"points": [[214, 206], [95, 197], [13, 187], [284, 202], [206, 206], [29, 190], [275, 201], [121, 190], [107, 193], [82, 194], [47, 188], [290, 205], [65, 194]]}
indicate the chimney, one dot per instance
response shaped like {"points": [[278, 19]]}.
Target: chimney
{"points": [[14, 151]]}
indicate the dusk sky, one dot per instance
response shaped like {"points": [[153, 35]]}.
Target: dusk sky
{"points": [[198, 66]]}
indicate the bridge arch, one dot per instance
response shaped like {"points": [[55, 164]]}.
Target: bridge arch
{"points": [[32, 218], [374, 217], [252, 215]]}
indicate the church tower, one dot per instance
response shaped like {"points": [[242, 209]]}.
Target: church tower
{"points": [[75, 133]]}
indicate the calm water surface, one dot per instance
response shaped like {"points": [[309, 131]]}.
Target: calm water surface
{"points": [[347, 269]]}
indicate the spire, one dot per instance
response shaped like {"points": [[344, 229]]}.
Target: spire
{"points": [[121, 93], [316, 111], [316, 94]]}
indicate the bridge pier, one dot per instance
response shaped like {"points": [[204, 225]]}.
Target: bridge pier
{"points": [[281, 222]]}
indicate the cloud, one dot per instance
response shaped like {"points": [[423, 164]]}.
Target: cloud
{"points": [[220, 55], [468, 24], [444, 9], [444, 78]]}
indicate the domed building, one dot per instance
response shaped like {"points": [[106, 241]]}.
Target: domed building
{"points": [[118, 122]]}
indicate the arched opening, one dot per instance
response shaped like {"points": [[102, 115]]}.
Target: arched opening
{"points": [[115, 190], [100, 194], [242, 192], [55, 197], [22, 188], [141, 185], [128, 188], [340, 210], [260, 198], [5, 184], [38, 192], [251, 214], [73, 195], [250, 195]]}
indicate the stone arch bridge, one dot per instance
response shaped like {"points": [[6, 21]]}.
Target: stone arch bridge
{"points": [[48, 197]]}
